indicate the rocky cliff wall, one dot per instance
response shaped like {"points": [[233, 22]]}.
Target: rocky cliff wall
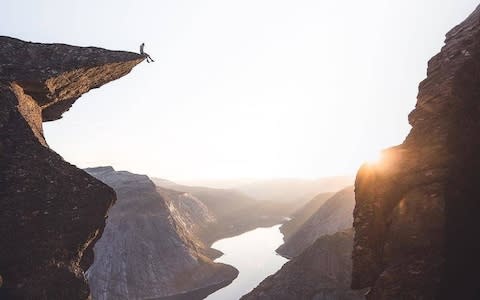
{"points": [[416, 228], [149, 249], [51, 213]]}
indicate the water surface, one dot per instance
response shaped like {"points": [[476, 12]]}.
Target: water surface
{"points": [[253, 254]]}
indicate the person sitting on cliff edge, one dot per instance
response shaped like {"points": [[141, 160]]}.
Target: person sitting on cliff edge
{"points": [[149, 59]]}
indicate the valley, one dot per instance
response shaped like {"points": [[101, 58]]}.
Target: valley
{"points": [[165, 240], [250, 90], [149, 248], [253, 254]]}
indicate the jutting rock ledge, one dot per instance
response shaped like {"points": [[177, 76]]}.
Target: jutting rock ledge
{"points": [[416, 216], [51, 213]]}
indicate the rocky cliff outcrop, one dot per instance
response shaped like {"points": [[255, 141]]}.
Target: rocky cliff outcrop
{"points": [[51, 213], [416, 228], [149, 248], [193, 214], [334, 215], [321, 272]]}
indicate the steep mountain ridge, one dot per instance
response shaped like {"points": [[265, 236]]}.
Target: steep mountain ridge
{"points": [[416, 210], [193, 214], [149, 248], [232, 211], [299, 191], [322, 271], [301, 215], [334, 215], [51, 213]]}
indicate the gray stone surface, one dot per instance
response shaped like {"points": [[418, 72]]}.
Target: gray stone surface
{"points": [[149, 248]]}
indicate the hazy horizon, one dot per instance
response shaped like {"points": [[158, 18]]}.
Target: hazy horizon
{"points": [[233, 183], [252, 89]]}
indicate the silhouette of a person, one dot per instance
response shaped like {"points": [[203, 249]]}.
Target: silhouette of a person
{"points": [[149, 59]]}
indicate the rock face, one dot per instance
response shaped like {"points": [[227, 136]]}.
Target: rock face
{"points": [[334, 215], [149, 248], [416, 228], [193, 214], [51, 213], [321, 272], [300, 216]]}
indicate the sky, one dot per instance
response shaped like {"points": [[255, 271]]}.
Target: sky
{"points": [[242, 89]]}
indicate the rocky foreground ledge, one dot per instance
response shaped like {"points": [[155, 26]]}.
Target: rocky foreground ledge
{"points": [[416, 215], [51, 213]]}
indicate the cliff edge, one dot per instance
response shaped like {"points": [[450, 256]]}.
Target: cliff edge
{"points": [[51, 213], [416, 228]]}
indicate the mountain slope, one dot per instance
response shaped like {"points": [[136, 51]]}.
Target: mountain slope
{"points": [[321, 272], [299, 191], [301, 215], [148, 250], [334, 215], [192, 213], [233, 211]]}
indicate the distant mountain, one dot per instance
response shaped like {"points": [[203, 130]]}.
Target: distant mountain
{"points": [[219, 183], [322, 271], [301, 215], [149, 248], [334, 215], [298, 191], [221, 202], [192, 213], [162, 181], [233, 211]]}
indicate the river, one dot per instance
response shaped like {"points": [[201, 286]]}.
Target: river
{"points": [[253, 254]]}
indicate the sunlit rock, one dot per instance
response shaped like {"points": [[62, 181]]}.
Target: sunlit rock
{"points": [[416, 229]]}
